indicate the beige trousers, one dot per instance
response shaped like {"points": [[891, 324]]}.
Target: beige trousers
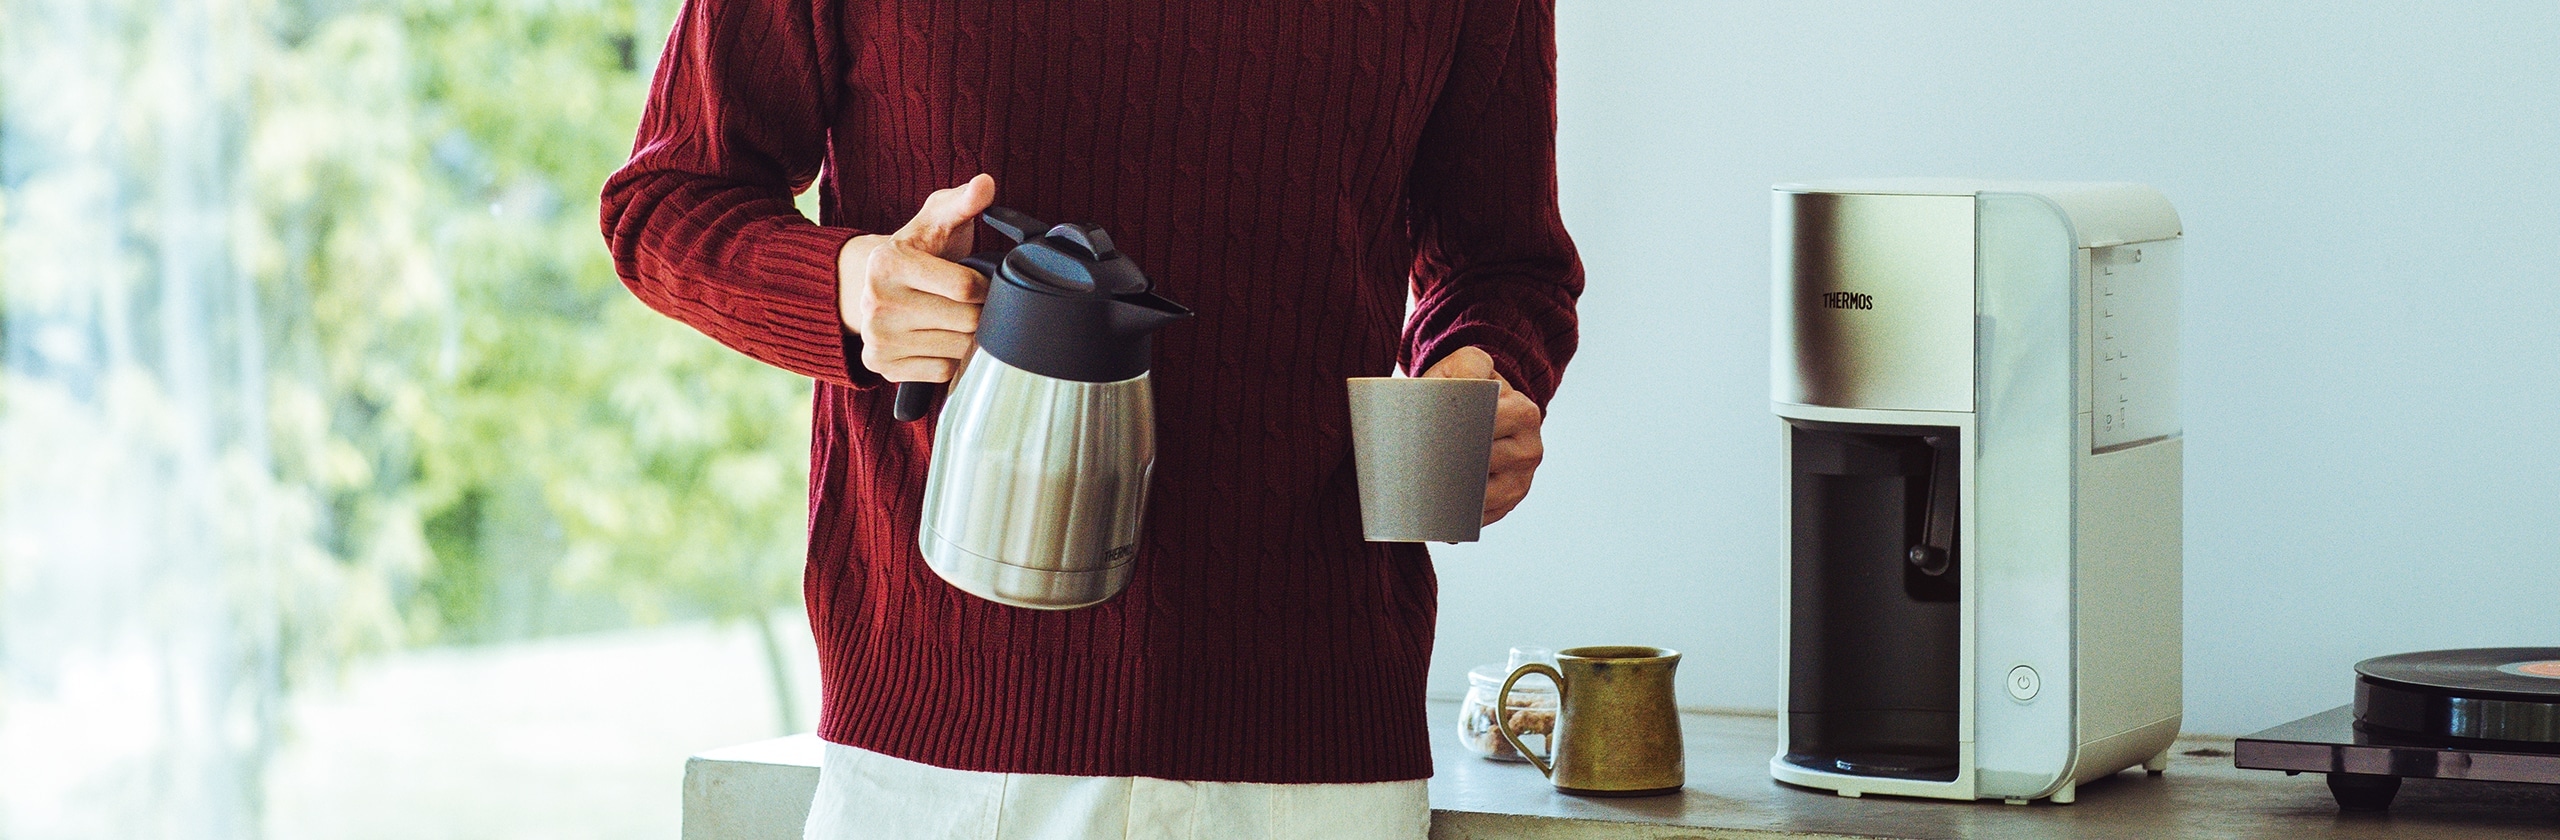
{"points": [[863, 795]]}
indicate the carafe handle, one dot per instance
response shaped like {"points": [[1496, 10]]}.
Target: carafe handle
{"points": [[914, 398], [1502, 717]]}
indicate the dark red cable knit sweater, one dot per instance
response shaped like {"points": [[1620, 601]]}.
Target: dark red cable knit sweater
{"points": [[1286, 168]]}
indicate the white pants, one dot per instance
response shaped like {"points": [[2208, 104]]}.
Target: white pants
{"points": [[863, 795]]}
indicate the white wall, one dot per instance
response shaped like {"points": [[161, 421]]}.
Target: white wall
{"points": [[2371, 196]]}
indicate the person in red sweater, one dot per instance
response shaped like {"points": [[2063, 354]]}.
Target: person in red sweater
{"points": [[1296, 173]]}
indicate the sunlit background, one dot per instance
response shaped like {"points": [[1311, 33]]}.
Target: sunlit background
{"points": [[346, 493]]}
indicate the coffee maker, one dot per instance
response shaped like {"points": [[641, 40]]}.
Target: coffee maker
{"points": [[1978, 388]]}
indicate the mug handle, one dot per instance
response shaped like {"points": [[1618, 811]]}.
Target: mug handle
{"points": [[1502, 716]]}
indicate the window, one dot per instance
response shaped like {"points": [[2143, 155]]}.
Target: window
{"points": [[338, 474]]}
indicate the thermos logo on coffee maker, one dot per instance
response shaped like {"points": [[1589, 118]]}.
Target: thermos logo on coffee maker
{"points": [[1847, 300]]}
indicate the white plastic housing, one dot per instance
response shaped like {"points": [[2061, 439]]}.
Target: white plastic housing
{"points": [[2039, 319]]}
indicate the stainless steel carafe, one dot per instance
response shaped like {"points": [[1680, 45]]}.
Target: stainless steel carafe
{"points": [[1042, 453]]}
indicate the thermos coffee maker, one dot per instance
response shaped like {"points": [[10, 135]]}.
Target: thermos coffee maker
{"points": [[1978, 384]]}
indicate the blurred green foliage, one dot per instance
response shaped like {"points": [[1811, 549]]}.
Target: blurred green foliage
{"points": [[472, 432], [498, 439]]}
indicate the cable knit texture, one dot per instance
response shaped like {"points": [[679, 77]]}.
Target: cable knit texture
{"points": [[1289, 169]]}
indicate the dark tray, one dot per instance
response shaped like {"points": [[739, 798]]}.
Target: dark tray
{"points": [[2365, 767]]}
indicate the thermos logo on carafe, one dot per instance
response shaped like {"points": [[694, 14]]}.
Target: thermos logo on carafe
{"points": [[1846, 300]]}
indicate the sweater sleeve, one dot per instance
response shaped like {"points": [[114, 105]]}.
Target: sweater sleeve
{"points": [[700, 220], [1493, 266]]}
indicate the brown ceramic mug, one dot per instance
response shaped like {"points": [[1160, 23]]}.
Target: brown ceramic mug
{"points": [[1617, 729]]}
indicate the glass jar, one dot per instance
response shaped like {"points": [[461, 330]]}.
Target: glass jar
{"points": [[1532, 713]]}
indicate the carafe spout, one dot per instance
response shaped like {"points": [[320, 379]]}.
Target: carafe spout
{"points": [[1144, 313]]}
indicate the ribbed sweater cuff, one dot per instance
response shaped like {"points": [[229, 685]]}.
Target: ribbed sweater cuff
{"points": [[802, 257], [1516, 360]]}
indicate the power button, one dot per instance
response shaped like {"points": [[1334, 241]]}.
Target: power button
{"points": [[2023, 683]]}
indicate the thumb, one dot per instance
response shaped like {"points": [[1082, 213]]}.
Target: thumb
{"points": [[1468, 363], [945, 227]]}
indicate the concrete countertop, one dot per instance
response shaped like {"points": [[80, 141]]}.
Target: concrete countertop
{"points": [[761, 791], [1730, 794]]}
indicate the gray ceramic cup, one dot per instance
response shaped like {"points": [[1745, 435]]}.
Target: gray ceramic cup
{"points": [[1422, 448]]}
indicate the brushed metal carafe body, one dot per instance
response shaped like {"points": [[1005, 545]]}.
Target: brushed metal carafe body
{"points": [[1038, 485]]}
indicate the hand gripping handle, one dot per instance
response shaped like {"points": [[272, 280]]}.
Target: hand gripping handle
{"points": [[915, 398]]}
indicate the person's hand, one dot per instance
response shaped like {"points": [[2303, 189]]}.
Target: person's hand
{"points": [[1516, 447], [914, 306]]}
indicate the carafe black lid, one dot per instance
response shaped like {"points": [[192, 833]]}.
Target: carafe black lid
{"points": [[1065, 303]]}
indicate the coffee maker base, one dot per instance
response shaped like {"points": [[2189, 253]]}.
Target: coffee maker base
{"points": [[1854, 786]]}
